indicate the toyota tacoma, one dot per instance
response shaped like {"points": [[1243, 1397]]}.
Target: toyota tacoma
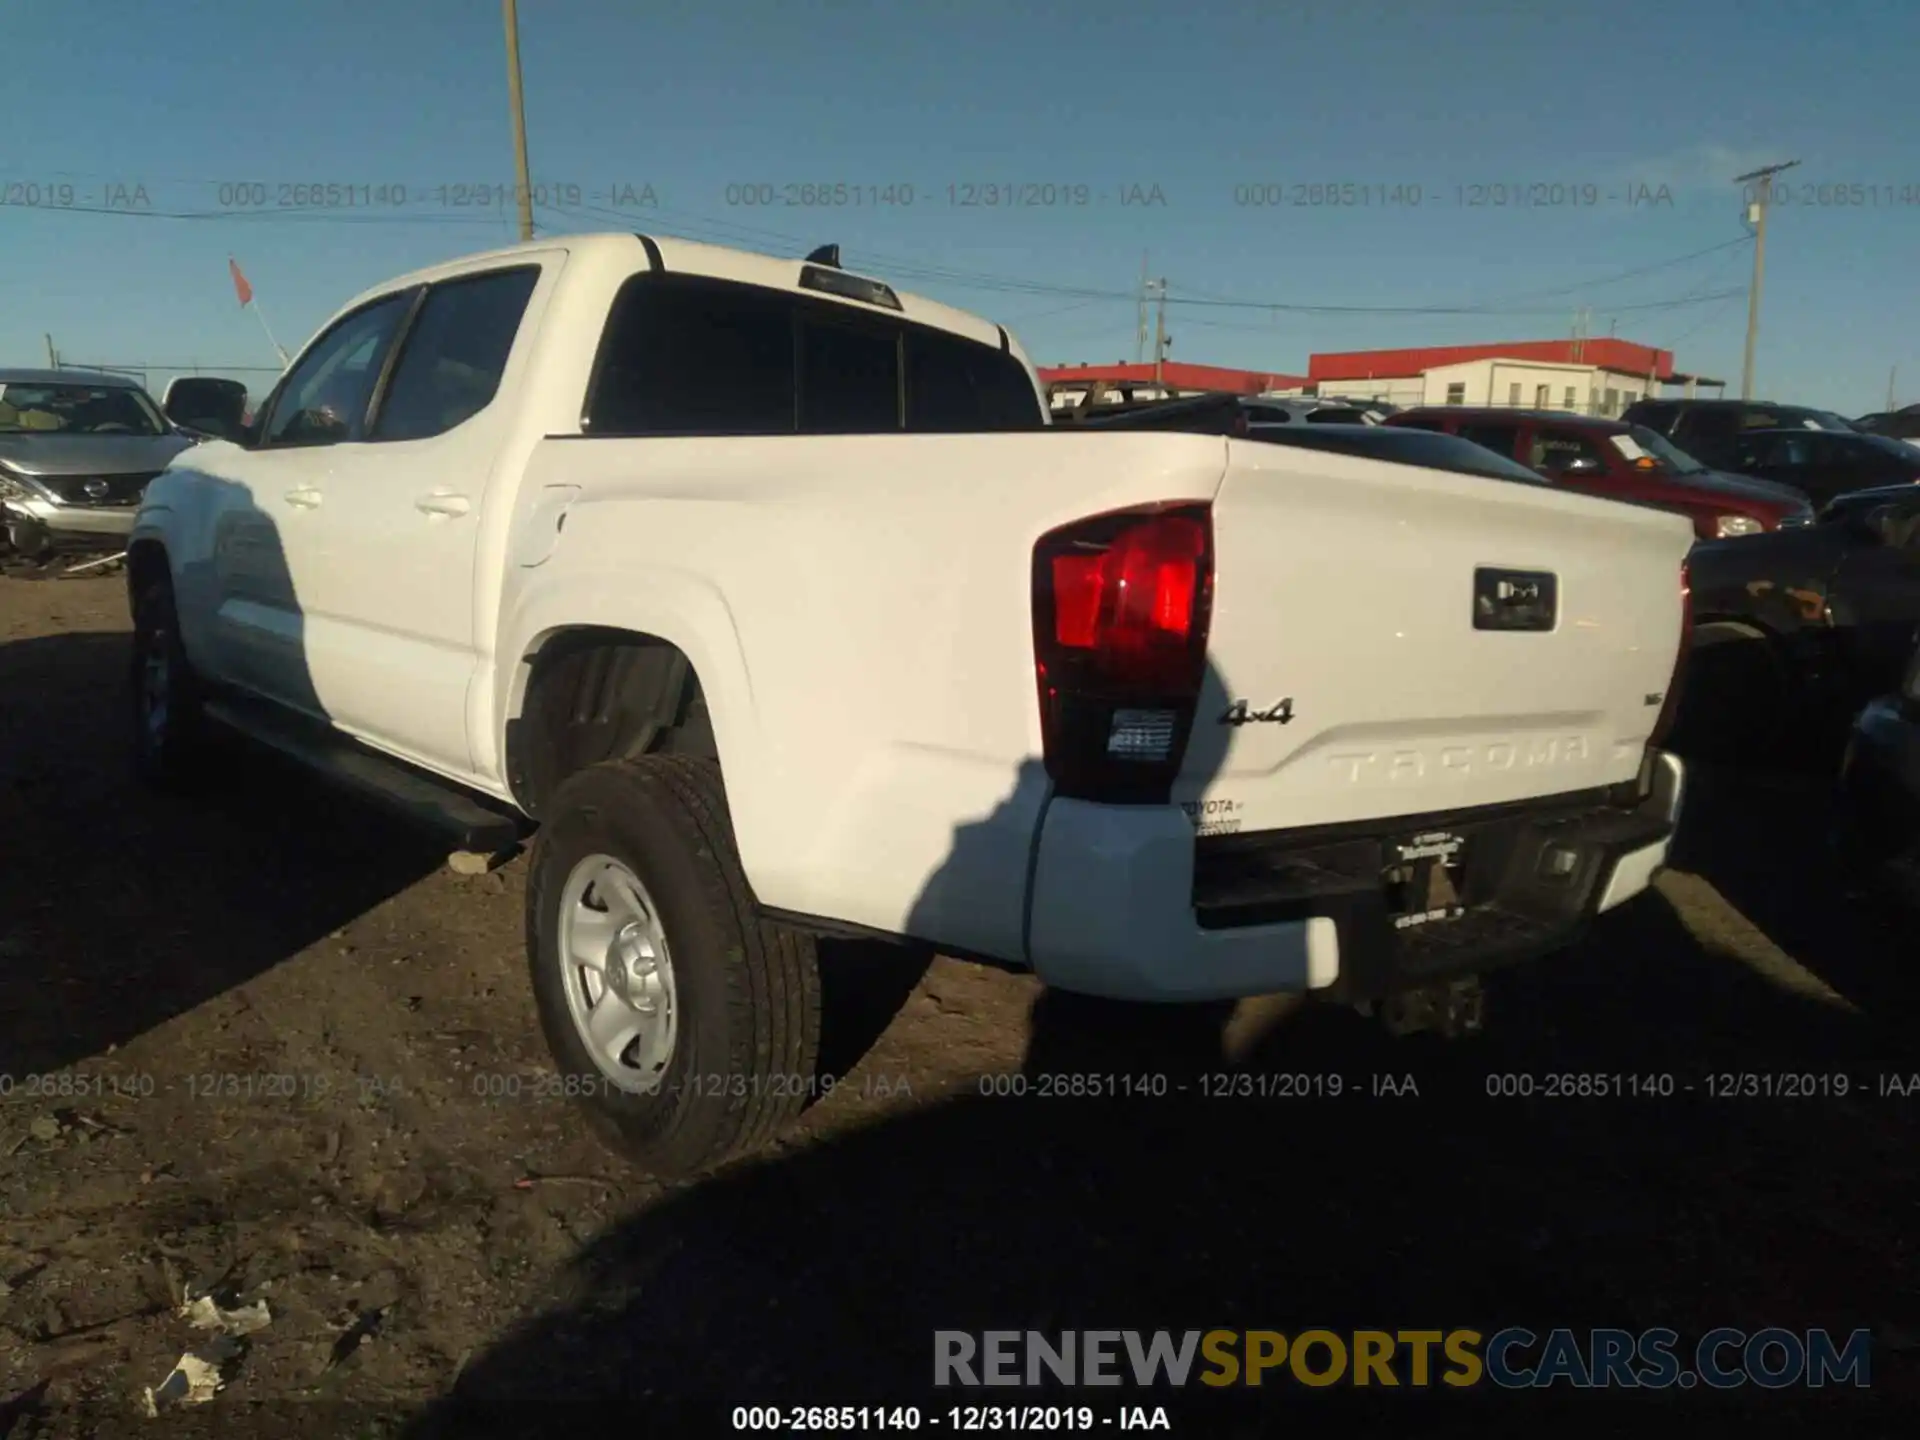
{"points": [[767, 601]]}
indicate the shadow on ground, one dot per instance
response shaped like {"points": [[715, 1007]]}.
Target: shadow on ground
{"points": [[1761, 838], [1413, 1198], [119, 908]]}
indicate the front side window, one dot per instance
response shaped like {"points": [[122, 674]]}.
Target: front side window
{"points": [[454, 354], [1555, 451], [324, 399]]}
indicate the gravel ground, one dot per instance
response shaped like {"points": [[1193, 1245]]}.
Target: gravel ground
{"points": [[263, 1042]]}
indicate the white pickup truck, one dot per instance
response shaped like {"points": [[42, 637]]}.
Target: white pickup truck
{"points": [[770, 600]]}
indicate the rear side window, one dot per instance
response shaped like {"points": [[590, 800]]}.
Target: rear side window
{"points": [[1337, 417], [1499, 438], [454, 354], [695, 357]]}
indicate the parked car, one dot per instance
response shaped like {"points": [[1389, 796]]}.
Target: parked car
{"points": [[1894, 424], [1879, 790], [1795, 631], [1825, 465], [1287, 410], [1710, 429], [734, 574], [1622, 462], [1378, 408], [77, 449], [1259, 411], [1231, 416]]}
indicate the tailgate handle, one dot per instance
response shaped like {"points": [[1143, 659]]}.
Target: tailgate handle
{"points": [[1515, 599]]}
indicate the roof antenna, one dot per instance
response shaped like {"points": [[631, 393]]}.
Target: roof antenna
{"points": [[826, 255]]}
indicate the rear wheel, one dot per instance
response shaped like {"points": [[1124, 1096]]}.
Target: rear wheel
{"points": [[169, 725], [686, 1026]]}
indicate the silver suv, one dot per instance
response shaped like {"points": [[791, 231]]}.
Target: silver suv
{"points": [[77, 449]]}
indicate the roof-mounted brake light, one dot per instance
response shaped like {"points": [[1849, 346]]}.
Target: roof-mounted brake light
{"points": [[848, 287]]}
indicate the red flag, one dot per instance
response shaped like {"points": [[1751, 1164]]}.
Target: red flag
{"points": [[240, 285]]}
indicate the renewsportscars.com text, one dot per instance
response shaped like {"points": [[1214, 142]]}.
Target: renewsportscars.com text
{"points": [[1513, 1358]]}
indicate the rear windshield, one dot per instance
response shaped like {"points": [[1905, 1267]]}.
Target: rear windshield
{"points": [[686, 355]]}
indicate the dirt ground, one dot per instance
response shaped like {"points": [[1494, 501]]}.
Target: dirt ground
{"points": [[264, 1042]]}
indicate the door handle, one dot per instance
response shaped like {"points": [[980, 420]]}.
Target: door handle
{"points": [[440, 503], [304, 497]]}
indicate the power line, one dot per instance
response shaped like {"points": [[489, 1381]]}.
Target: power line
{"points": [[257, 216], [717, 232]]}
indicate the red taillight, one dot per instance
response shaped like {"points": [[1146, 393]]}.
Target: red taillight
{"points": [[1121, 604], [1670, 707]]}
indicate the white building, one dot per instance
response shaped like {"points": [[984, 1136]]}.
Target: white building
{"points": [[1591, 377]]}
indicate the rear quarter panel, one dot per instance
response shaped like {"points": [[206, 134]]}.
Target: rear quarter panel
{"points": [[858, 610]]}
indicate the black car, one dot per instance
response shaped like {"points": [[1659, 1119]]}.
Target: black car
{"points": [[1825, 464], [1879, 791], [1240, 418], [1894, 424], [1709, 429], [1796, 629]]}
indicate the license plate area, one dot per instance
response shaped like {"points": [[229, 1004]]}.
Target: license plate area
{"points": [[1424, 879]]}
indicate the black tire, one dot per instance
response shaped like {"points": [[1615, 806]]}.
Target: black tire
{"points": [[169, 750], [1735, 698], [746, 992]]}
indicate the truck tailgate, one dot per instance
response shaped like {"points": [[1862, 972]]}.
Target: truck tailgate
{"points": [[1348, 587]]}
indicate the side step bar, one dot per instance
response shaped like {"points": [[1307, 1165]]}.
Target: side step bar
{"points": [[411, 794]]}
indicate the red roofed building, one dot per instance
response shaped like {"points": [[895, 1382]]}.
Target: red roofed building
{"points": [[1598, 376]]}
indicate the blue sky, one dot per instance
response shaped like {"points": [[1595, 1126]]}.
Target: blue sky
{"points": [[154, 111]]}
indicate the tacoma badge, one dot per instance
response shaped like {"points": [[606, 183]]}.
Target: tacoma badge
{"points": [[1241, 713]]}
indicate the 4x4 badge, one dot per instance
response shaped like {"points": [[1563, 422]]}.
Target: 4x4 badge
{"points": [[1242, 713]]}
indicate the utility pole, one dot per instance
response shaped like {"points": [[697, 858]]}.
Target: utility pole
{"points": [[1891, 372], [1757, 217], [522, 186], [1140, 318], [1160, 336], [53, 361]]}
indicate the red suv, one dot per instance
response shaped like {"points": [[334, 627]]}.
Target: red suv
{"points": [[1627, 462]]}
